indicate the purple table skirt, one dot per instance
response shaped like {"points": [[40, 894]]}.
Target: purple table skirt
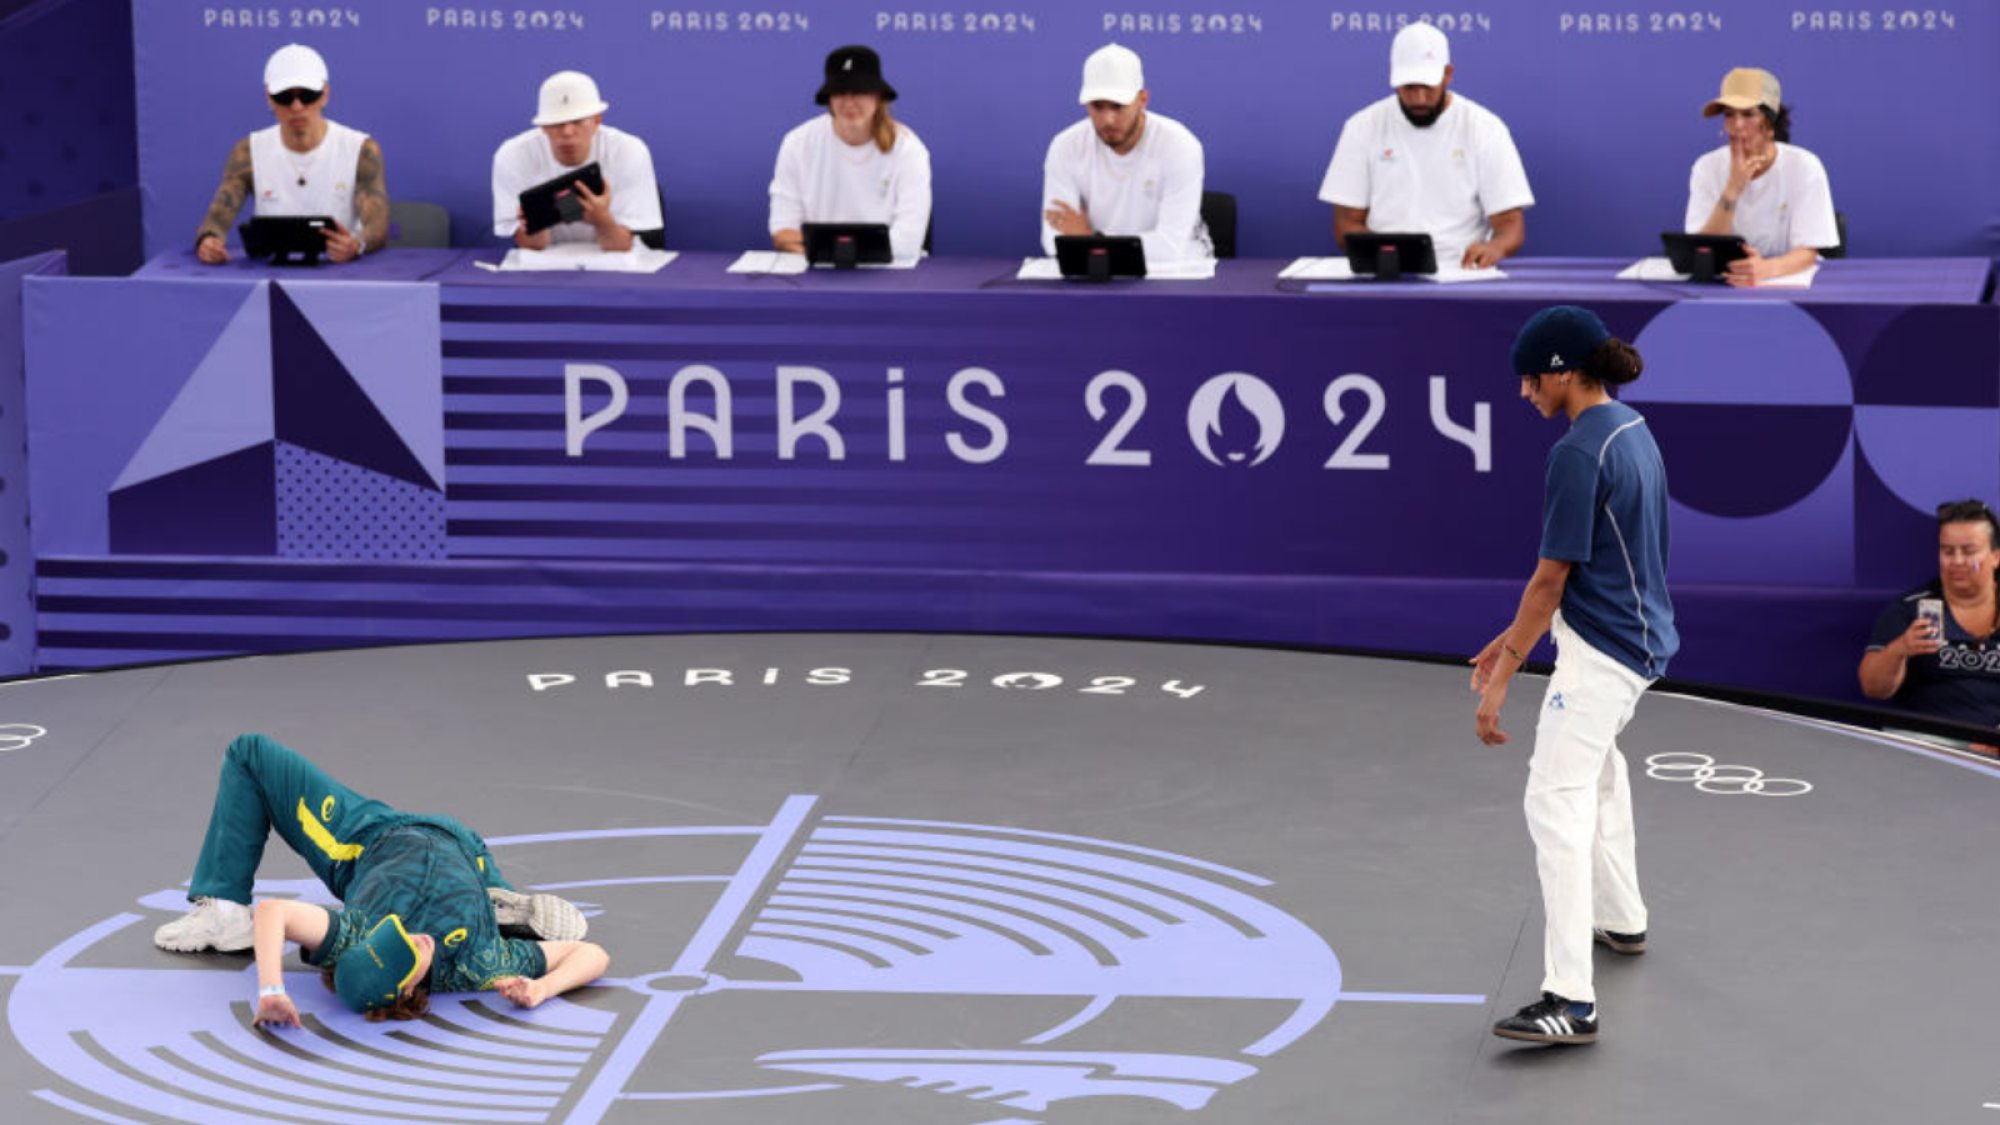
{"points": [[1903, 281]]}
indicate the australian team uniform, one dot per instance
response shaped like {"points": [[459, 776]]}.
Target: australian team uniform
{"points": [[431, 871]]}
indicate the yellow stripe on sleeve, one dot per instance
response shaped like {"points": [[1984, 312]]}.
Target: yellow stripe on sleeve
{"points": [[317, 833]]}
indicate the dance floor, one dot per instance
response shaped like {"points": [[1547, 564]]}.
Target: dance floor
{"points": [[956, 880]]}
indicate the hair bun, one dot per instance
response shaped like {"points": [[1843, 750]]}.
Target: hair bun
{"points": [[1615, 362]]}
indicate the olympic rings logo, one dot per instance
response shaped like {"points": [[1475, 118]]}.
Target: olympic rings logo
{"points": [[19, 736], [1728, 781]]}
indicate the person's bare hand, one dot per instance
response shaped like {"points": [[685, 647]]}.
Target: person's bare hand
{"points": [[341, 244], [596, 208], [1751, 270], [521, 991], [526, 241], [1487, 721], [211, 250], [1919, 640], [1481, 256], [1484, 664], [1067, 219], [1746, 163], [275, 1012]]}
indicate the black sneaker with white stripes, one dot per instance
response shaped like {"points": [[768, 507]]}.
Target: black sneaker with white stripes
{"points": [[1552, 1019], [1628, 944]]}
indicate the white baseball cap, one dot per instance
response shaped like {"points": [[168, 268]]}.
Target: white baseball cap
{"points": [[1418, 56], [569, 95], [1112, 74], [294, 67]]}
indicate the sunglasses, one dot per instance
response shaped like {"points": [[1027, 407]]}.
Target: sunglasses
{"points": [[302, 97]]}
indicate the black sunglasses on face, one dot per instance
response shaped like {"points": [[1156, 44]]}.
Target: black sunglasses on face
{"points": [[303, 97]]}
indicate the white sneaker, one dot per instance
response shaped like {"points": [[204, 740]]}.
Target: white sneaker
{"points": [[214, 923], [548, 917]]}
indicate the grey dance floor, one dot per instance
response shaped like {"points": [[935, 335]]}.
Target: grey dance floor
{"points": [[888, 879]]}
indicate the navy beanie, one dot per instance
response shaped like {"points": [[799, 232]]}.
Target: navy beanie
{"points": [[1559, 338]]}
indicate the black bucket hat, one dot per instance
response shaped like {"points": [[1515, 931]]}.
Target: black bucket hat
{"points": [[854, 70]]}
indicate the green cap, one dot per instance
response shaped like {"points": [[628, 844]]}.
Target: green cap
{"points": [[374, 971]]}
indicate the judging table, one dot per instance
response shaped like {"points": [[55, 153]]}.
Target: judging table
{"points": [[1242, 456], [1894, 281]]}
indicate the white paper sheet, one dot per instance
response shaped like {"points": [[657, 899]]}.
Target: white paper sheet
{"points": [[1651, 269], [768, 261], [1458, 275], [1339, 269], [1318, 269], [1660, 269], [1196, 269], [572, 256]]}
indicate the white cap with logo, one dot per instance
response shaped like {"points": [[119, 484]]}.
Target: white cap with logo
{"points": [[568, 95], [1112, 74], [294, 67], [1418, 56]]}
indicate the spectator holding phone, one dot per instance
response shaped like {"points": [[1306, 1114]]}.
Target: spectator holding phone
{"points": [[1954, 674]]}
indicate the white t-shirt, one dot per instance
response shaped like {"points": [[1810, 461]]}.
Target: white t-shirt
{"points": [[1787, 207], [1154, 191], [328, 171], [527, 159], [1443, 181], [820, 178]]}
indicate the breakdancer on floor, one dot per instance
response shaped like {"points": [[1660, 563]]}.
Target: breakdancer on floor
{"points": [[424, 905]]}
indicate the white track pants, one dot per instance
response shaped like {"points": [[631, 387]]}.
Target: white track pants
{"points": [[1579, 806]]}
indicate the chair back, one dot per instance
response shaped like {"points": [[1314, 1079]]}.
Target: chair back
{"points": [[1218, 214], [413, 222]]}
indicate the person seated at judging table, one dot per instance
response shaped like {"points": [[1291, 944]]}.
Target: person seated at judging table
{"points": [[569, 132], [305, 164], [1430, 161], [1759, 185], [1123, 170], [854, 164], [1955, 676]]}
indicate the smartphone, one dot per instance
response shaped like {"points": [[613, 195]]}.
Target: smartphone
{"points": [[1932, 610]]}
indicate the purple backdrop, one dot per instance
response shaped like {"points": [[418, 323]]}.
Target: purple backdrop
{"points": [[1604, 103]]}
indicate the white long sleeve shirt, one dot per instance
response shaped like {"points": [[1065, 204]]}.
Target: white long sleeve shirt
{"points": [[820, 178], [1154, 191]]}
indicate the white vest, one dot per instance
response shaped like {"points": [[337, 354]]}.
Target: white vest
{"points": [[328, 172]]}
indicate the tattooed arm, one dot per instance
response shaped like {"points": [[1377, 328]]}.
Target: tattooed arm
{"points": [[371, 197], [237, 186]]}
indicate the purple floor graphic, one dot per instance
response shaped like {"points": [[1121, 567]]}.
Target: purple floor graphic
{"points": [[863, 906]]}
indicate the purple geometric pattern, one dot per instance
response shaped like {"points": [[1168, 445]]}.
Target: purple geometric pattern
{"points": [[331, 509]]}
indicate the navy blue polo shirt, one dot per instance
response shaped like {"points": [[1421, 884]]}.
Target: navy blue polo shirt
{"points": [[1604, 510]]}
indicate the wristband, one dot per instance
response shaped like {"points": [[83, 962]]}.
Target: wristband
{"points": [[1518, 658], [271, 990]]}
